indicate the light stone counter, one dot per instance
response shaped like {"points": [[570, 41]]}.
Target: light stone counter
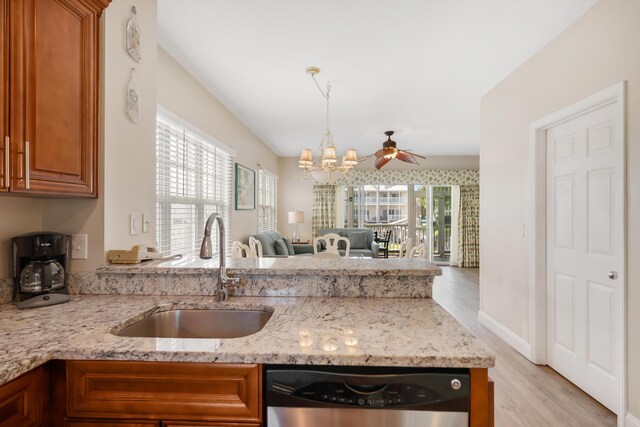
{"points": [[295, 276], [285, 266], [387, 332]]}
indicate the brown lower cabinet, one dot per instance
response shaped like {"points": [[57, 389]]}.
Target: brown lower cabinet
{"points": [[173, 394], [21, 401], [102, 423]]}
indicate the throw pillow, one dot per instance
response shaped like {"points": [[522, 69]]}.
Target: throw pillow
{"points": [[289, 246], [358, 239], [281, 247]]}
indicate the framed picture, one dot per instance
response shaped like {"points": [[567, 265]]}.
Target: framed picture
{"points": [[245, 188]]}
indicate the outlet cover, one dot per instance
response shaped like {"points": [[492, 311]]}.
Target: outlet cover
{"points": [[145, 223], [79, 246], [520, 230]]}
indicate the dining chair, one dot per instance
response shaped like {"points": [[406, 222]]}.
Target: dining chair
{"points": [[419, 251], [326, 255], [256, 247], [405, 248], [332, 241], [384, 243], [240, 250]]}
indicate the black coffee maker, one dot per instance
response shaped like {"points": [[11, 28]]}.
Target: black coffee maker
{"points": [[40, 268]]}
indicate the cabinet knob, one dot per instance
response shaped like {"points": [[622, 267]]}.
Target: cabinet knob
{"points": [[613, 275]]}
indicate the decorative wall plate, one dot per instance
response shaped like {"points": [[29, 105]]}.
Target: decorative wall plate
{"points": [[133, 98], [133, 37]]}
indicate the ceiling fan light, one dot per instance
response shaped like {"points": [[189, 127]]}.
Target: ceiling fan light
{"points": [[391, 155], [351, 158]]}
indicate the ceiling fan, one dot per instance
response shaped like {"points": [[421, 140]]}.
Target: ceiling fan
{"points": [[389, 151]]}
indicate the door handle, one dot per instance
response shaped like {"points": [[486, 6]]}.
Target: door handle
{"points": [[613, 275]]}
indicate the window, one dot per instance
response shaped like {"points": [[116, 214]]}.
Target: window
{"points": [[267, 199], [193, 180]]}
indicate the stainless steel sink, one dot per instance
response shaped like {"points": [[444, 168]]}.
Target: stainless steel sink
{"points": [[199, 324]]}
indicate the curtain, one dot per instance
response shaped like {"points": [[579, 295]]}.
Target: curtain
{"points": [[455, 215], [324, 207], [469, 226]]}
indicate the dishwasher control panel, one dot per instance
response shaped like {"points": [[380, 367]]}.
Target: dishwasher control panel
{"points": [[387, 395], [374, 388]]}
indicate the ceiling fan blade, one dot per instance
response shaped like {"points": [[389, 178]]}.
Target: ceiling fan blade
{"points": [[381, 161], [365, 158], [381, 152], [406, 157], [413, 154]]}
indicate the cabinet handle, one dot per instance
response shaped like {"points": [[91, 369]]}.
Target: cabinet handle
{"points": [[7, 160], [26, 165]]}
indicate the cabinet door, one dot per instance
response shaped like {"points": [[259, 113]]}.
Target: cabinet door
{"points": [[195, 424], [4, 94], [102, 423], [223, 393], [54, 96], [21, 401]]}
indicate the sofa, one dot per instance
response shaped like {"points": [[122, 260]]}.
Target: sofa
{"points": [[274, 245], [361, 240]]}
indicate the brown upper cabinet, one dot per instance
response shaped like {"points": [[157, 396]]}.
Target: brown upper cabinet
{"points": [[50, 52]]}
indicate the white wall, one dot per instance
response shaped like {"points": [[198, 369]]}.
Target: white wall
{"points": [[295, 194], [18, 215], [183, 95], [596, 52], [127, 160]]}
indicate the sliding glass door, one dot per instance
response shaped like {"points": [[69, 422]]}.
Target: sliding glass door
{"points": [[422, 212], [441, 202]]}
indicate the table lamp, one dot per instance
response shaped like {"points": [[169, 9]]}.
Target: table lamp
{"points": [[295, 218]]}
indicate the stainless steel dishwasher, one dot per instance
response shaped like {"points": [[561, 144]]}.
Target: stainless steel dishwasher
{"points": [[366, 397]]}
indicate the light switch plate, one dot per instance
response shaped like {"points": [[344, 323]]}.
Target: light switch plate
{"points": [[79, 246], [135, 224]]}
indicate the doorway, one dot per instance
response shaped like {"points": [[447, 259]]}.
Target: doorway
{"points": [[578, 249]]}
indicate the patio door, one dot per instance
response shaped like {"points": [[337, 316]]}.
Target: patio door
{"points": [[422, 208]]}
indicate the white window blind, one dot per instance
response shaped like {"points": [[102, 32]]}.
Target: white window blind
{"points": [[267, 199], [193, 179]]}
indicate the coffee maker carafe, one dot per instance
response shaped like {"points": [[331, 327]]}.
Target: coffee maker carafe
{"points": [[40, 268]]}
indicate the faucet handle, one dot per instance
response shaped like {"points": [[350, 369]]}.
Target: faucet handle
{"points": [[226, 279]]}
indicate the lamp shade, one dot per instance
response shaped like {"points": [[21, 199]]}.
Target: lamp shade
{"points": [[296, 217], [351, 158], [329, 155], [306, 158]]}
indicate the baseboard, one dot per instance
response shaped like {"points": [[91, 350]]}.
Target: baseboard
{"points": [[505, 334], [631, 421]]}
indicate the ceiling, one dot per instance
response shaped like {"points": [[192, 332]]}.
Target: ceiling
{"points": [[418, 67]]}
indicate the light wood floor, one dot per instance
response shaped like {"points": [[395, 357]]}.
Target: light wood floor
{"points": [[526, 394]]}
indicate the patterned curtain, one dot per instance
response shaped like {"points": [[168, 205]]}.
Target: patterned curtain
{"points": [[469, 226], [324, 207]]}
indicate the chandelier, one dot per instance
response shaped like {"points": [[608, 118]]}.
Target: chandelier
{"points": [[327, 170]]}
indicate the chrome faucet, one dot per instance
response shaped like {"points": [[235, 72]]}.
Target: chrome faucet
{"points": [[206, 252]]}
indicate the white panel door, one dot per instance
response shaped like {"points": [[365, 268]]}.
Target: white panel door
{"points": [[583, 241]]}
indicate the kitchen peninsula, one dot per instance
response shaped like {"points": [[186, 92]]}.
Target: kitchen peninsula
{"points": [[74, 346]]}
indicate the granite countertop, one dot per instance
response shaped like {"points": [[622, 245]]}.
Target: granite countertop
{"points": [[298, 265], [320, 331]]}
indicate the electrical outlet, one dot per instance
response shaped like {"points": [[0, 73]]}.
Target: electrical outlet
{"points": [[145, 223], [79, 246], [519, 230], [135, 224]]}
